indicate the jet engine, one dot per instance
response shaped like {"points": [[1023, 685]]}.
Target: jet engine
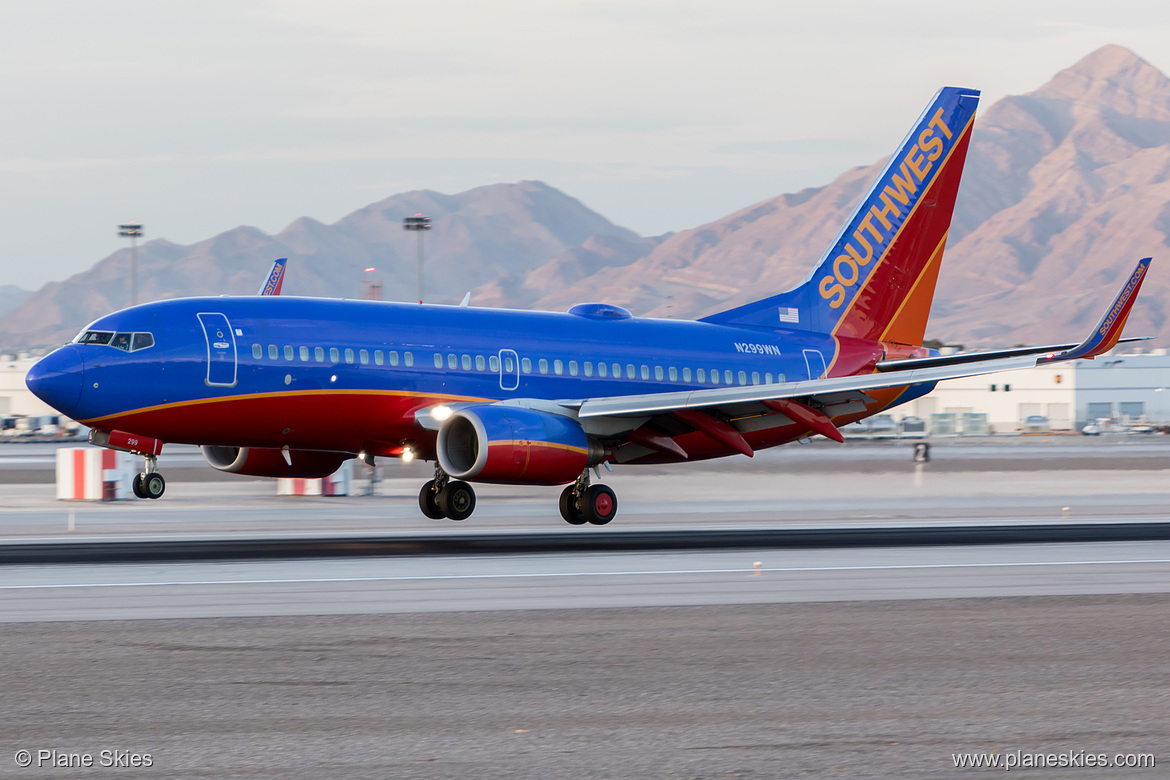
{"points": [[515, 446], [258, 462]]}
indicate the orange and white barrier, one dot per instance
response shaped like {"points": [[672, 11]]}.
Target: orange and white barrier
{"points": [[93, 474], [339, 483]]}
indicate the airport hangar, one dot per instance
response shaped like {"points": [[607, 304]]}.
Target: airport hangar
{"points": [[1130, 388]]}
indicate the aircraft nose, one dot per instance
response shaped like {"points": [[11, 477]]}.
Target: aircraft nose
{"points": [[57, 378]]}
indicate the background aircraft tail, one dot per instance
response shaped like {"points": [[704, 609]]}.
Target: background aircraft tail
{"points": [[877, 279]]}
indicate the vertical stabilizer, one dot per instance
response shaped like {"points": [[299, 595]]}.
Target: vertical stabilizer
{"points": [[877, 279]]}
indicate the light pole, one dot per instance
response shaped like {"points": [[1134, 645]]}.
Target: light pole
{"points": [[133, 231], [418, 223]]}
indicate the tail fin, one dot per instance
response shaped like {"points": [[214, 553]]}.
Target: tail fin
{"points": [[877, 279], [275, 278]]}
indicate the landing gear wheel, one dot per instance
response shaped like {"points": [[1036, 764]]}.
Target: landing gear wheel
{"points": [[457, 500], [153, 485], [569, 509], [428, 503], [599, 504], [136, 486]]}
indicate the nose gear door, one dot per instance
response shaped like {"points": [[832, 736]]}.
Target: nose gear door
{"points": [[221, 349]]}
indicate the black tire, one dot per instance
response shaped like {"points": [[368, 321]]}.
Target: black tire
{"points": [[569, 509], [153, 485], [136, 486], [428, 503], [457, 500], [600, 504]]}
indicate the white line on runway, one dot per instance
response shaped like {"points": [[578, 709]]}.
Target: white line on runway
{"points": [[531, 575]]}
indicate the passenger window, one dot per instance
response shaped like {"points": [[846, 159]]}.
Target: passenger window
{"points": [[645, 372], [572, 368], [526, 365], [466, 362], [144, 340], [714, 376], [364, 357], [588, 368], [334, 355], [273, 352], [617, 370], [673, 374], [348, 355], [438, 360], [257, 351], [727, 379], [658, 373], [702, 376], [452, 361], [780, 379], [319, 354], [378, 360], [543, 364], [408, 358], [630, 373], [558, 367], [601, 370], [304, 354], [509, 366], [768, 378], [755, 377], [480, 364], [392, 356], [288, 352], [494, 363], [686, 375]]}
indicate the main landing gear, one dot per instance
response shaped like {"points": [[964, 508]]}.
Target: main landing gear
{"points": [[580, 503], [149, 484], [583, 503], [442, 497]]}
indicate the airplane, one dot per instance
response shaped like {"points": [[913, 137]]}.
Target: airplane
{"points": [[281, 386]]}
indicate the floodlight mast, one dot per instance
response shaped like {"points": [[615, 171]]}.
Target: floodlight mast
{"points": [[418, 223], [133, 231]]}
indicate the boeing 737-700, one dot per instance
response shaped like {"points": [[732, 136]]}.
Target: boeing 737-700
{"points": [[276, 386]]}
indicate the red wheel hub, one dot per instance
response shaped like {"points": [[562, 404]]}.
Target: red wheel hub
{"points": [[603, 504]]}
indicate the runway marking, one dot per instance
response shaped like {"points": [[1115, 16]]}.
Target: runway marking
{"points": [[749, 570]]}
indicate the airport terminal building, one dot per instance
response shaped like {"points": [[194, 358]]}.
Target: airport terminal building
{"points": [[1127, 389]]}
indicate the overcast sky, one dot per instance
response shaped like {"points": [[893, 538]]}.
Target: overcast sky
{"points": [[196, 117]]}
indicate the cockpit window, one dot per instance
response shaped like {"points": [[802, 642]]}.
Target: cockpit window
{"points": [[127, 342], [94, 337]]}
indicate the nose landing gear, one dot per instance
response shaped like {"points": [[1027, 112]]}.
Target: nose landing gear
{"points": [[149, 484]]}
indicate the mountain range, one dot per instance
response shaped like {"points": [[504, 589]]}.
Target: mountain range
{"points": [[1064, 189]]}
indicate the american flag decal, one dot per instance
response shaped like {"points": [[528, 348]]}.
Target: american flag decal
{"points": [[789, 315]]}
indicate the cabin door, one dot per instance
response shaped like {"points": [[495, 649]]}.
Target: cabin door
{"points": [[221, 349], [509, 369], [815, 362]]}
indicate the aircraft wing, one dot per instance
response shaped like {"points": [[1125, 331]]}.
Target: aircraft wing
{"points": [[900, 373]]}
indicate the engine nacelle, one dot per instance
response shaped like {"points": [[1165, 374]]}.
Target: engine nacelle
{"points": [[510, 445], [258, 462]]}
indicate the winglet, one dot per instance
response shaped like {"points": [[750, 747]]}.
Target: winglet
{"points": [[275, 278], [1104, 337]]}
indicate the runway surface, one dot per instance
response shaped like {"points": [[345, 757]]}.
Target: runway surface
{"points": [[847, 662], [849, 690]]}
